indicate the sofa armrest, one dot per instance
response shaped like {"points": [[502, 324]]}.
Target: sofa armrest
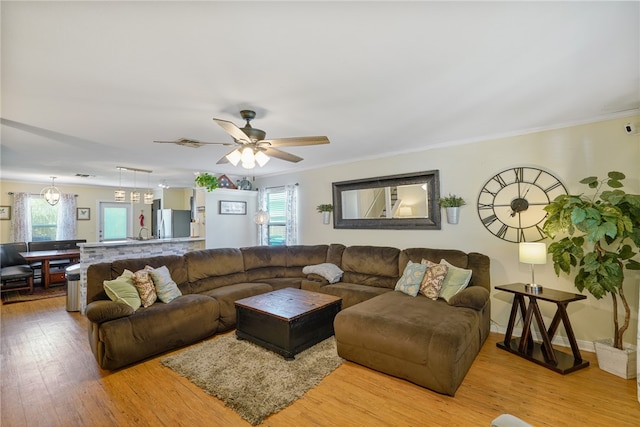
{"points": [[313, 283], [474, 297], [103, 311]]}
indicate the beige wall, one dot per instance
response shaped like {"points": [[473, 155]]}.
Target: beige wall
{"points": [[570, 153], [89, 197]]}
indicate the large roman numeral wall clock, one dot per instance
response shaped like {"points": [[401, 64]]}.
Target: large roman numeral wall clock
{"points": [[511, 203]]}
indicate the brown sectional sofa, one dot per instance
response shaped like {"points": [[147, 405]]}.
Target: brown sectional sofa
{"points": [[431, 343]]}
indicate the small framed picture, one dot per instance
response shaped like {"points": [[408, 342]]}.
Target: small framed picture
{"points": [[228, 207], [5, 212], [83, 214]]}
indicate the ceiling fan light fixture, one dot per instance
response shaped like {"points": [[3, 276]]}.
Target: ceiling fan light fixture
{"points": [[234, 157], [261, 158]]}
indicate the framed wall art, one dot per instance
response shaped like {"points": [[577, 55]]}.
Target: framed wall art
{"points": [[5, 212], [83, 214], [228, 207]]}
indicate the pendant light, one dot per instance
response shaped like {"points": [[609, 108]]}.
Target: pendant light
{"points": [[135, 194], [119, 195], [148, 195], [51, 194]]}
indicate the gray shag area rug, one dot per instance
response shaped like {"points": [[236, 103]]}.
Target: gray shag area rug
{"points": [[251, 380]]}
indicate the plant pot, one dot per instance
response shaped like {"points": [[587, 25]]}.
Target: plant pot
{"points": [[453, 215], [326, 217], [621, 363]]}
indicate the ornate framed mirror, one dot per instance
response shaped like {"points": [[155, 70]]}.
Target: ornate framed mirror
{"points": [[395, 202]]}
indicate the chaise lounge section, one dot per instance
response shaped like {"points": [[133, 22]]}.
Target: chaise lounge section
{"points": [[431, 343]]}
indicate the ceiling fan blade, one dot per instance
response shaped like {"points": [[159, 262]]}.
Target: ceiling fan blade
{"points": [[292, 142], [232, 130], [193, 143], [281, 155]]}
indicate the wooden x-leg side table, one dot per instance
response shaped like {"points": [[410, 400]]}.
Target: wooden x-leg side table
{"points": [[542, 353]]}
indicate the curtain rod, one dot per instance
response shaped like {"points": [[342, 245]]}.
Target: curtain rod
{"points": [[11, 193]]}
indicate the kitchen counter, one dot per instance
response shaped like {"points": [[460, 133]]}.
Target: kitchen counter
{"points": [[135, 242]]}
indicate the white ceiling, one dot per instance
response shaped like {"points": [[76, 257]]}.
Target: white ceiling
{"points": [[88, 86]]}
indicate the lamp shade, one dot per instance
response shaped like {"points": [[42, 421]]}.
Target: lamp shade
{"points": [[261, 217], [533, 252]]}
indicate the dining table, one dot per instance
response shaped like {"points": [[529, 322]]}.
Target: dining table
{"points": [[45, 257]]}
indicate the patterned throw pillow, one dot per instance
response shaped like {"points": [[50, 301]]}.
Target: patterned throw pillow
{"points": [[433, 279], [166, 288], [144, 284], [411, 278]]}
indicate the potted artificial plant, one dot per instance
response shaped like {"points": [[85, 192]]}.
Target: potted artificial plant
{"points": [[452, 205], [206, 180], [325, 210], [601, 236]]}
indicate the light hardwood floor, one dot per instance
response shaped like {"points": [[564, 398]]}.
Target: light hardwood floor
{"points": [[49, 378]]}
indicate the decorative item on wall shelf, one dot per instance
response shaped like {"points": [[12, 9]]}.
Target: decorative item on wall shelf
{"points": [[601, 239], [244, 184], [225, 182], [452, 204], [207, 181], [325, 210]]}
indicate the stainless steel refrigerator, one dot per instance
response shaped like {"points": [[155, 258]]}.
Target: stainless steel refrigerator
{"points": [[173, 223]]}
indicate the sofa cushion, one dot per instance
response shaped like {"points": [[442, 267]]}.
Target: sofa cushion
{"points": [[433, 278], [228, 295], [213, 268], [156, 329], [144, 285], [456, 280], [411, 278], [175, 263], [103, 311], [371, 265], [351, 293], [264, 262], [299, 256], [122, 290], [166, 287], [427, 342]]}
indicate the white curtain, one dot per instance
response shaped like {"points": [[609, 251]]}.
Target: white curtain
{"points": [[263, 230], [291, 209], [21, 219], [66, 226]]}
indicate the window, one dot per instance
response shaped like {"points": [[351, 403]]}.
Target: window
{"points": [[277, 226], [44, 219]]}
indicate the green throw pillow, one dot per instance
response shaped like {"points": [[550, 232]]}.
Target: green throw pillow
{"points": [[121, 289], [166, 288], [411, 278], [456, 280]]}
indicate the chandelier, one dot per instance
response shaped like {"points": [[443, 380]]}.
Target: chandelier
{"points": [[249, 156], [51, 194]]}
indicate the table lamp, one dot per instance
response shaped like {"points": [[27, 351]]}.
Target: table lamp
{"points": [[533, 253]]}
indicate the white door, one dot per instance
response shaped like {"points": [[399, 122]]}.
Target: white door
{"points": [[114, 222]]}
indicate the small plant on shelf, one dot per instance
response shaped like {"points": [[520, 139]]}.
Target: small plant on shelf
{"points": [[325, 208], [451, 201], [206, 180]]}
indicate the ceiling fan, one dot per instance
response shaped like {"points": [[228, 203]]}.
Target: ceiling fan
{"points": [[251, 147]]}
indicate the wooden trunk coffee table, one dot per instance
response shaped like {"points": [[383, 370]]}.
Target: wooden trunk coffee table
{"points": [[288, 320]]}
